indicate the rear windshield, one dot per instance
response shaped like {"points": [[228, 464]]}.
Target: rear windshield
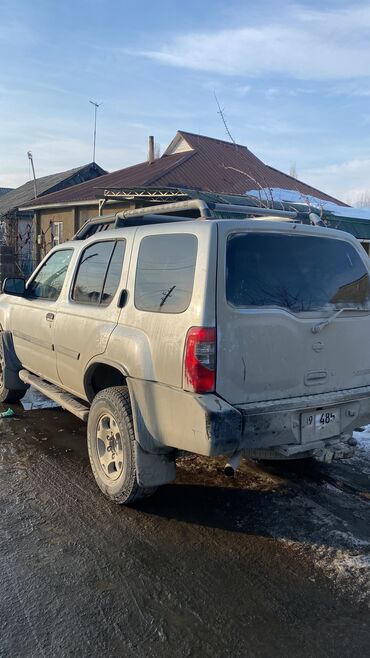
{"points": [[299, 273]]}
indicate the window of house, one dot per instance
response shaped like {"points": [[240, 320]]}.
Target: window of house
{"points": [[165, 273], [57, 228], [99, 272], [48, 282]]}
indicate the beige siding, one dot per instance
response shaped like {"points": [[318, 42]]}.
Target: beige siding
{"points": [[72, 217], [47, 217]]}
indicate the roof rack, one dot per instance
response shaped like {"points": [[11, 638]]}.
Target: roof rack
{"points": [[158, 214]]}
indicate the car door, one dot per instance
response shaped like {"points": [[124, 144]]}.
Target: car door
{"points": [[88, 315], [32, 317]]}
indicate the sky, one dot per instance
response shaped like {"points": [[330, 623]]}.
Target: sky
{"points": [[293, 80]]}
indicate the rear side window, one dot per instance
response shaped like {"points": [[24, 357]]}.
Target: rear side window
{"points": [[114, 273], [299, 273], [99, 272], [165, 273]]}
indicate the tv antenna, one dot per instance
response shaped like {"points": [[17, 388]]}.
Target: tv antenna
{"points": [[96, 105], [29, 153]]}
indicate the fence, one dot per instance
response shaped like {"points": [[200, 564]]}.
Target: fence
{"points": [[16, 246]]}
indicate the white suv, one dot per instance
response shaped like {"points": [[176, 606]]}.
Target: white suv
{"points": [[211, 336]]}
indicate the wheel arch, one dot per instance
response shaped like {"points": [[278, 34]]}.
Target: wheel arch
{"points": [[101, 374]]}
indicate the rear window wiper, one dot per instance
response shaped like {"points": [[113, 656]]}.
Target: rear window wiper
{"points": [[321, 325]]}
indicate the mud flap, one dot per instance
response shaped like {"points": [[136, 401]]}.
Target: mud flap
{"points": [[153, 470], [12, 364]]}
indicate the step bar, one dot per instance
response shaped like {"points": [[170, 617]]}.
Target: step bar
{"points": [[66, 400]]}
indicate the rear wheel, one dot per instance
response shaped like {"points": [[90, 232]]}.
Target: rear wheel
{"points": [[111, 446], [8, 394]]}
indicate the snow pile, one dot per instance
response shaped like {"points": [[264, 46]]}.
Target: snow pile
{"points": [[289, 196], [278, 194], [363, 439]]}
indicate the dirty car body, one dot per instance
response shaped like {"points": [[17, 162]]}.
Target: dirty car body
{"points": [[231, 336]]}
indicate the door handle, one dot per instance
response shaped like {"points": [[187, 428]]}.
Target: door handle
{"points": [[123, 298], [50, 317]]}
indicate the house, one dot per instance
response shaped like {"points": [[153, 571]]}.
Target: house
{"points": [[16, 225], [191, 161], [5, 190]]}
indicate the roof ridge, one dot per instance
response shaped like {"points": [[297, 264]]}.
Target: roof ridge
{"points": [[59, 173], [215, 139]]}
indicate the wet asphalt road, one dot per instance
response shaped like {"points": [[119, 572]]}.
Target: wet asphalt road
{"points": [[272, 563]]}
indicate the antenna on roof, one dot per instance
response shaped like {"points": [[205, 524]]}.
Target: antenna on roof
{"points": [[33, 171], [96, 105], [222, 115]]}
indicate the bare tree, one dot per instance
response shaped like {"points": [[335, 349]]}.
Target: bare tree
{"points": [[293, 170], [221, 112], [363, 201]]}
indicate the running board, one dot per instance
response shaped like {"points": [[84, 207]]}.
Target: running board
{"points": [[66, 400]]}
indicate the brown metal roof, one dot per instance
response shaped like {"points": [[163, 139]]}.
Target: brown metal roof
{"points": [[22, 196], [212, 165], [140, 175]]}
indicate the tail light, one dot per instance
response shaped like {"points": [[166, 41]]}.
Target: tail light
{"points": [[200, 360]]}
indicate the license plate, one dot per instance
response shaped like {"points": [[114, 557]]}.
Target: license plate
{"points": [[320, 424]]}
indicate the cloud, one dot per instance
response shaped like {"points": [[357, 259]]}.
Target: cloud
{"points": [[347, 180], [242, 90], [303, 44]]}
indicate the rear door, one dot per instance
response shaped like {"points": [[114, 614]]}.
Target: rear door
{"points": [[89, 313], [275, 285]]}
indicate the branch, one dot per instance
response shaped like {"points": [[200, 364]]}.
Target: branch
{"points": [[222, 115]]}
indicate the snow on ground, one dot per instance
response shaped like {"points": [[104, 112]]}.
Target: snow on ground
{"points": [[330, 524], [363, 439], [36, 400], [362, 452], [328, 541]]}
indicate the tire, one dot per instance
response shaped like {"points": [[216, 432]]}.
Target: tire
{"points": [[111, 446], [8, 394]]}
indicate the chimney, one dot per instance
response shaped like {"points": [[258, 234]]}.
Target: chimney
{"points": [[151, 156]]}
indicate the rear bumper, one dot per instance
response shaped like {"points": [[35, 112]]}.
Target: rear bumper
{"points": [[277, 423], [205, 424]]}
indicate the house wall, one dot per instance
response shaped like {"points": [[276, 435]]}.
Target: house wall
{"points": [[72, 218], [44, 228]]}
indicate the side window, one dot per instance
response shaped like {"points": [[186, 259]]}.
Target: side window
{"points": [[99, 272], [165, 273], [114, 272], [48, 282]]}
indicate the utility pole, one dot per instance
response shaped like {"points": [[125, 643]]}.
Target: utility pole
{"points": [[96, 105], [33, 171]]}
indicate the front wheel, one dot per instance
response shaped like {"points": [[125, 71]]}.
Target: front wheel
{"points": [[111, 446]]}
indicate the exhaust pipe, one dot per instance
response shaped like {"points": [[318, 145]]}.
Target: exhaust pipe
{"points": [[232, 465]]}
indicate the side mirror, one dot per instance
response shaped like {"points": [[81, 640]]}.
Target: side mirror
{"points": [[14, 286]]}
